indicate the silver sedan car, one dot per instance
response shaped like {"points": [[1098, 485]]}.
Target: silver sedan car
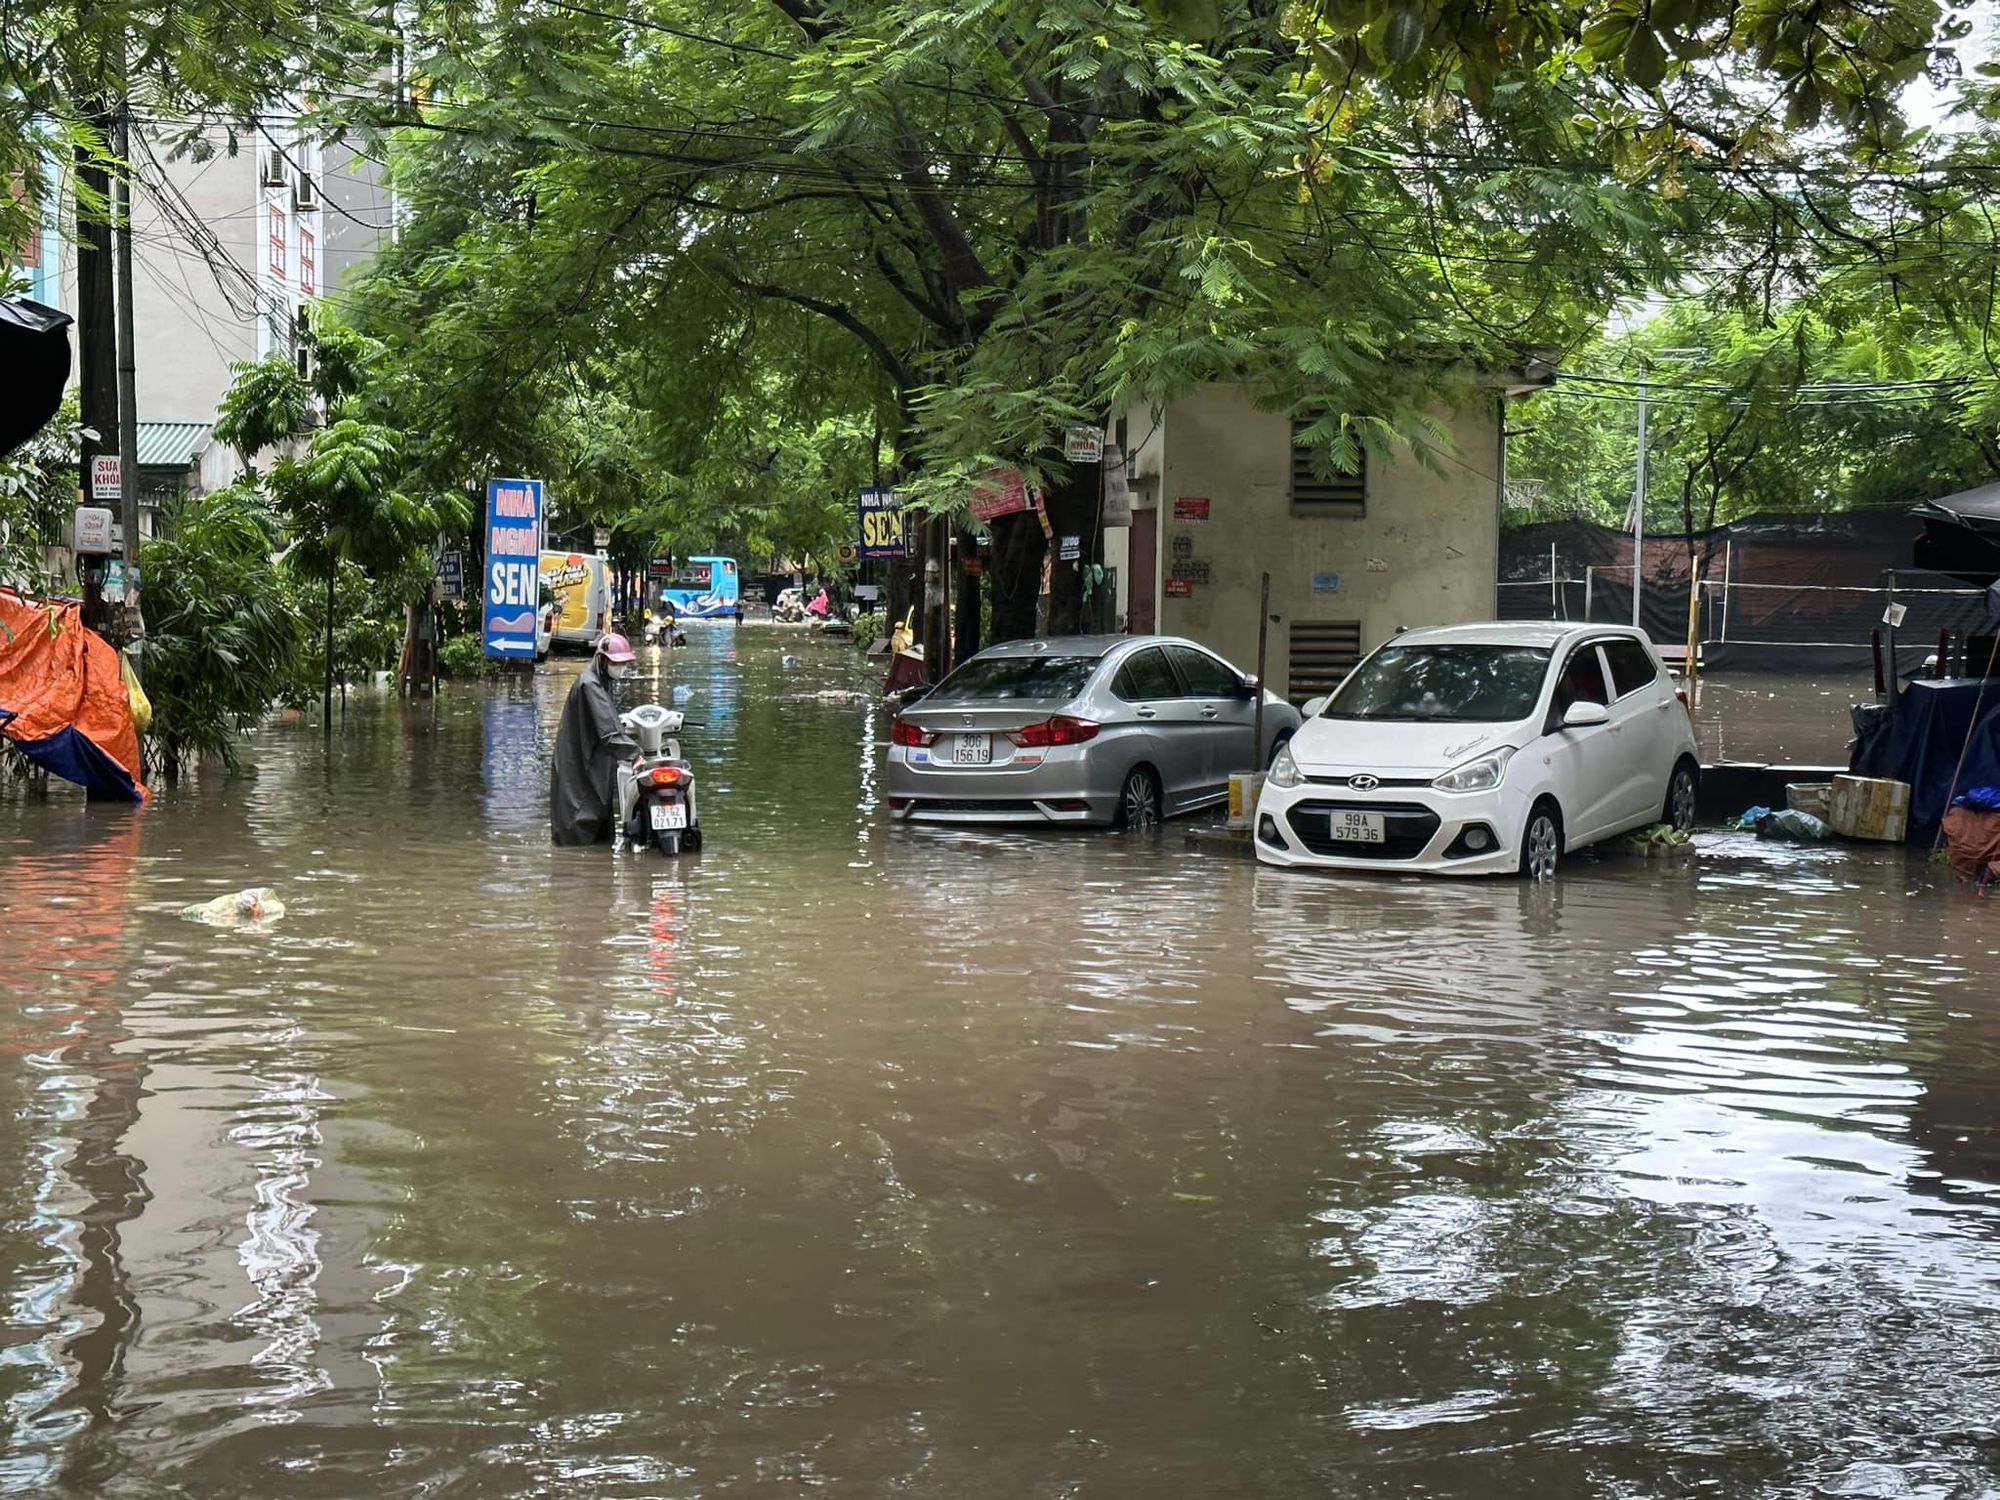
{"points": [[1081, 729]]}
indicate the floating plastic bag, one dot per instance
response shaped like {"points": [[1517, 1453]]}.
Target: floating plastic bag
{"points": [[1793, 827], [257, 907]]}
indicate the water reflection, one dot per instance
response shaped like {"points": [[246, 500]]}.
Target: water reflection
{"points": [[960, 1163]]}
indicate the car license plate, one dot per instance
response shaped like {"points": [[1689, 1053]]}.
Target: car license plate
{"points": [[1356, 827], [972, 749], [668, 815]]}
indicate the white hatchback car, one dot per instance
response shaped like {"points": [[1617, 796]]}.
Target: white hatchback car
{"points": [[1483, 749]]}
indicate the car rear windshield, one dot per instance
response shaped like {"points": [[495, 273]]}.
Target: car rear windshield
{"points": [[998, 678], [1470, 684]]}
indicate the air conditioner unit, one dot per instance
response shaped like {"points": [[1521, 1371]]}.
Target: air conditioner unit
{"points": [[275, 174], [305, 197]]}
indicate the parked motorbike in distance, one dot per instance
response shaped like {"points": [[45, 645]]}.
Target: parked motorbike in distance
{"points": [[656, 793]]}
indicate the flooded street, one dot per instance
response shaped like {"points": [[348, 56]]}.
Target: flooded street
{"points": [[962, 1165]]}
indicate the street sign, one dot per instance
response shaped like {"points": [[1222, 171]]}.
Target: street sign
{"points": [[104, 477], [881, 520], [93, 530], [1070, 549], [999, 492], [1191, 508], [602, 537], [1084, 445], [513, 566], [451, 574]]}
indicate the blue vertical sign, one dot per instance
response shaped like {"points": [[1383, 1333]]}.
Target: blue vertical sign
{"points": [[513, 566], [881, 514]]}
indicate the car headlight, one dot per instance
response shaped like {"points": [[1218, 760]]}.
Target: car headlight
{"points": [[1480, 775], [1284, 770]]}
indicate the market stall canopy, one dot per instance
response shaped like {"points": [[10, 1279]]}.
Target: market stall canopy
{"points": [[1961, 534], [34, 356]]}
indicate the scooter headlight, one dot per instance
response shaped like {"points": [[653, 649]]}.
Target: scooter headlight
{"points": [[1481, 775]]}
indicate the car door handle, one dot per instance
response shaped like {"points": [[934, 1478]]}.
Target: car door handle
{"points": [[1208, 713], [1148, 713]]}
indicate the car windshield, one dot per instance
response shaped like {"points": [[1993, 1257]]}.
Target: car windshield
{"points": [[1473, 684], [997, 678]]}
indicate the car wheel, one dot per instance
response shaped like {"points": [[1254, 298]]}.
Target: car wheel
{"points": [[1679, 810], [1139, 801], [1542, 842]]}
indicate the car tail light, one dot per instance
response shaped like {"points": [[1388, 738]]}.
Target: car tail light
{"points": [[1061, 730], [901, 733], [664, 776]]}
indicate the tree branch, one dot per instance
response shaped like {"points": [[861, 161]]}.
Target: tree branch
{"points": [[845, 317]]}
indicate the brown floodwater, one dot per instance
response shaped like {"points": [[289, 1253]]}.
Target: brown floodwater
{"points": [[886, 1162]]}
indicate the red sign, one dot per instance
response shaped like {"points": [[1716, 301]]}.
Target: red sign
{"points": [[306, 265], [1191, 508], [999, 492], [277, 239], [1182, 588]]}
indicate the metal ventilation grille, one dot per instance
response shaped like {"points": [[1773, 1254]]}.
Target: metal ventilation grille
{"points": [[1322, 652], [1342, 495]]}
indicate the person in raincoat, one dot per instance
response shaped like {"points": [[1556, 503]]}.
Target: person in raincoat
{"points": [[590, 746]]}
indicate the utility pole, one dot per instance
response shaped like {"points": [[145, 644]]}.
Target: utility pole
{"points": [[1639, 507], [128, 383]]}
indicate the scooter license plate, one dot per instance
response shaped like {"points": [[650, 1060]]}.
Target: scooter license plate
{"points": [[668, 815]]}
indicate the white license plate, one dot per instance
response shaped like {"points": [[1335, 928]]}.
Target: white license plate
{"points": [[1356, 827], [667, 815], [972, 749]]}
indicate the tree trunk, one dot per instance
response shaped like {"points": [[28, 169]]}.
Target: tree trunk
{"points": [[1018, 547], [326, 710], [966, 617], [1072, 512]]}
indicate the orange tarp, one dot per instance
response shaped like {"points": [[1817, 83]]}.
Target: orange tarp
{"points": [[60, 684]]}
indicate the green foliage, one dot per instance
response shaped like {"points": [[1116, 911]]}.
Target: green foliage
{"points": [[463, 658], [38, 499], [266, 404], [224, 626]]}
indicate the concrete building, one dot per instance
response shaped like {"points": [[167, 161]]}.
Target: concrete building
{"points": [[228, 249], [1221, 495]]}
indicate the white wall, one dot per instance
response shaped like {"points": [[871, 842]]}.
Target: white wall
{"points": [[1426, 553]]}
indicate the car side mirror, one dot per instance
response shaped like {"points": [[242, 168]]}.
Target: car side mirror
{"points": [[1584, 715], [1310, 709], [1247, 688]]}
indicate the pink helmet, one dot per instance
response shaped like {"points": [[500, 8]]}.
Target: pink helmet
{"points": [[614, 648]]}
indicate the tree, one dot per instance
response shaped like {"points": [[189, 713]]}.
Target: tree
{"points": [[224, 626], [341, 504], [980, 229]]}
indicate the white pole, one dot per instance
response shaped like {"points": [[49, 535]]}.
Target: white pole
{"points": [[1589, 574], [1555, 595], [1639, 507], [1728, 558]]}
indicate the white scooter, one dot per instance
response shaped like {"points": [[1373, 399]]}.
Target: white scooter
{"points": [[656, 797]]}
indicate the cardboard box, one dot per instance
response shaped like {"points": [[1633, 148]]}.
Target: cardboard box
{"points": [[1809, 797], [1862, 807]]}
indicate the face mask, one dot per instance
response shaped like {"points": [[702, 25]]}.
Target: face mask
{"points": [[621, 671]]}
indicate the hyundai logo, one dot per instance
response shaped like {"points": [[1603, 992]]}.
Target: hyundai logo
{"points": [[1363, 782]]}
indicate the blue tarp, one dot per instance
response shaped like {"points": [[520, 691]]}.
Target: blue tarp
{"points": [[1931, 723]]}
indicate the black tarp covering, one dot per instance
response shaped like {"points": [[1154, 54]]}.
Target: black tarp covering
{"points": [[1933, 724], [34, 368]]}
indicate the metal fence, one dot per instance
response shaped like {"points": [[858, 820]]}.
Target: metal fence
{"points": [[1780, 626]]}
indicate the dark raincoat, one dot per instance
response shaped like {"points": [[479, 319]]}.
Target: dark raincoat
{"points": [[590, 745]]}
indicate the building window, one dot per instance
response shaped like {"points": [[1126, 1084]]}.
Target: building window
{"points": [[1342, 495], [1322, 653], [306, 266], [278, 267]]}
